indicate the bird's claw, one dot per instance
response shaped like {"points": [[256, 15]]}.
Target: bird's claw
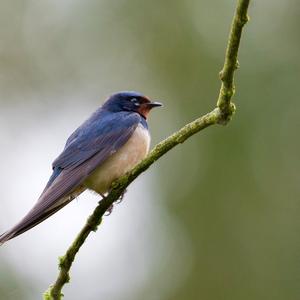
{"points": [[103, 196], [121, 197], [110, 209]]}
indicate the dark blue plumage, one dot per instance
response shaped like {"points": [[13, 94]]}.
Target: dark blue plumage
{"points": [[104, 132], [91, 157]]}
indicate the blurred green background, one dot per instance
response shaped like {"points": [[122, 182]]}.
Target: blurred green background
{"points": [[216, 218]]}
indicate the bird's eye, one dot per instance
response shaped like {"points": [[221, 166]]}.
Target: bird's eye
{"points": [[135, 101]]}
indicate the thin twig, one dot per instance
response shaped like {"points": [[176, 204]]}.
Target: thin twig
{"points": [[231, 63], [220, 115]]}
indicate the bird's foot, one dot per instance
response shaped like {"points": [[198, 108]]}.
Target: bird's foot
{"points": [[121, 197], [102, 195], [110, 209]]}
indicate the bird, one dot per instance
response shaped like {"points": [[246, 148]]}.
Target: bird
{"points": [[113, 140]]}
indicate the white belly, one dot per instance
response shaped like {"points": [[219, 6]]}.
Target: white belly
{"points": [[135, 149]]}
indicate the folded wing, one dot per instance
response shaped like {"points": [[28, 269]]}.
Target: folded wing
{"points": [[86, 149]]}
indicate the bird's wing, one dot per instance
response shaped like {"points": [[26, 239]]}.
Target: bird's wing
{"points": [[87, 148]]}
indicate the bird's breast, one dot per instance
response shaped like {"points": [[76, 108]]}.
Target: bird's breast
{"points": [[129, 155]]}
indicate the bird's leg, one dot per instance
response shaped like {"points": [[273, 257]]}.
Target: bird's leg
{"points": [[110, 209], [102, 195], [121, 197]]}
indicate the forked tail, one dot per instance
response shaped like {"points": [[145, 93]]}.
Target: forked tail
{"points": [[38, 214]]}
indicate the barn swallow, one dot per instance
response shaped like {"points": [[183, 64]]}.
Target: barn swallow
{"points": [[107, 145]]}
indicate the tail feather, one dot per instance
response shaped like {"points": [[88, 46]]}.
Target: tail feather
{"points": [[21, 228], [32, 219]]}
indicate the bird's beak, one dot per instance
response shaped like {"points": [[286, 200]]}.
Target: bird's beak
{"points": [[145, 108], [154, 104]]}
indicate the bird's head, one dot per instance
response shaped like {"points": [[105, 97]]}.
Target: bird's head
{"points": [[130, 101]]}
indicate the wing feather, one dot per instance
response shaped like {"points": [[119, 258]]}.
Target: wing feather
{"points": [[86, 149]]}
